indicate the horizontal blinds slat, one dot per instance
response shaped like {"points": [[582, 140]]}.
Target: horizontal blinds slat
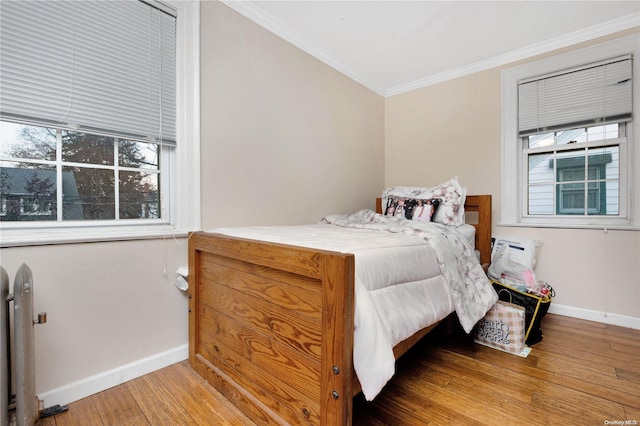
{"points": [[37, 57], [90, 65], [598, 94]]}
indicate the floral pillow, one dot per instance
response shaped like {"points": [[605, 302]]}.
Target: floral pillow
{"points": [[423, 210], [451, 196]]}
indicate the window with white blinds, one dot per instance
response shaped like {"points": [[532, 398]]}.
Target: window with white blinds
{"points": [[102, 67], [570, 150], [95, 144], [595, 94]]}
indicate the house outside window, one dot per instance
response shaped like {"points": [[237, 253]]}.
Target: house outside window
{"points": [[564, 165], [101, 177], [574, 172]]}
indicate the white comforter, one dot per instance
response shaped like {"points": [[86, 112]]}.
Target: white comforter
{"points": [[406, 279]]}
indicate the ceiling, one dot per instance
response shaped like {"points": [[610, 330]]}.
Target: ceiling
{"points": [[393, 47]]}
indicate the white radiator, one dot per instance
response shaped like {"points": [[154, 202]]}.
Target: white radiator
{"points": [[23, 408]]}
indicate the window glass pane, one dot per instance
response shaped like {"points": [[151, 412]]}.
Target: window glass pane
{"points": [[593, 199], [571, 198], [138, 154], [586, 181], [27, 193], [589, 134], [29, 142], [540, 168], [87, 148], [88, 194], [608, 156], [541, 179], [569, 175], [542, 139], [612, 198], [541, 200], [604, 174], [29, 190], [574, 159], [608, 131], [571, 136], [139, 196]]}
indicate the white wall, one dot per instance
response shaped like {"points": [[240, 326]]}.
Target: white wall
{"points": [[109, 305], [286, 139]]}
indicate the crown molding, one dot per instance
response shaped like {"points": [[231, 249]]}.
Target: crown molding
{"points": [[600, 30], [254, 13]]}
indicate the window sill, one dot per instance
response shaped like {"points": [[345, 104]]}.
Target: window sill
{"points": [[613, 227], [86, 233]]}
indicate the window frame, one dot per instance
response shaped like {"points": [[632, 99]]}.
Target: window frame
{"points": [[558, 162], [181, 198], [599, 190], [514, 184], [59, 164]]}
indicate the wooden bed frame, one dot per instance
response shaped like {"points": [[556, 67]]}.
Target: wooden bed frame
{"points": [[271, 325]]}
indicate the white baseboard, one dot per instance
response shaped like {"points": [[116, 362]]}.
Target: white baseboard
{"points": [[91, 385], [598, 316]]}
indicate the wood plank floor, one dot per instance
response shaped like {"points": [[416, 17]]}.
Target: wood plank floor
{"points": [[582, 373]]}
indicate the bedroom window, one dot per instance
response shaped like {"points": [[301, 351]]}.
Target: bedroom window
{"points": [[568, 140], [94, 142], [93, 177], [574, 172]]}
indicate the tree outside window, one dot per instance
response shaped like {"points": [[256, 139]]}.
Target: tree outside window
{"points": [[101, 177]]}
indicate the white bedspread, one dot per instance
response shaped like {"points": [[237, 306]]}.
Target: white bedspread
{"points": [[400, 287]]}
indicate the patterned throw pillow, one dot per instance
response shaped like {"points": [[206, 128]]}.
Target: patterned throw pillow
{"points": [[423, 210], [451, 196]]}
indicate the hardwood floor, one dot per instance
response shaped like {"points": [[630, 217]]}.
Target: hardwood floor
{"points": [[582, 373]]}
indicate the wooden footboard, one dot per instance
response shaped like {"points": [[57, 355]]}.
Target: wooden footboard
{"points": [[271, 327]]}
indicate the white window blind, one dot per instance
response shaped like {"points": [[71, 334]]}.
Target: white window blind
{"points": [[595, 94], [96, 66]]}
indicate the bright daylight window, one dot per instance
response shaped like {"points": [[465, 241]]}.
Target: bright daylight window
{"points": [[87, 113], [93, 178], [569, 140], [572, 169], [574, 172]]}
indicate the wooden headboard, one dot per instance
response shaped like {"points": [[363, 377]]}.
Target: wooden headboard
{"points": [[481, 204]]}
